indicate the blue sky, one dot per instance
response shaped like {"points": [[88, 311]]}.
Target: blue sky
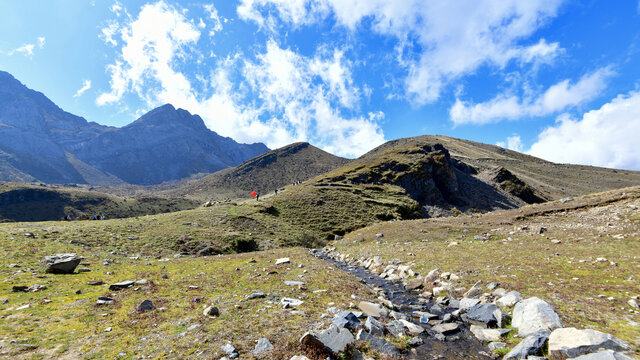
{"points": [[559, 79]]}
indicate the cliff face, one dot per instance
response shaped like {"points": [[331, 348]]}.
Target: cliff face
{"points": [[41, 142]]}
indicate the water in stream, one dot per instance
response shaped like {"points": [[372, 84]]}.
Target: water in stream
{"points": [[462, 345]]}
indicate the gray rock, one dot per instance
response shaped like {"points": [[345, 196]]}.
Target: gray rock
{"points": [[415, 341], [531, 345], [263, 345], [381, 346], [374, 327], [534, 314], [603, 355], [60, 263], [103, 300], [211, 311], [395, 328], [571, 342], [293, 283], [231, 351], [334, 340], [120, 285], [483, 334], [146, 305], [446, 328], [483, 315], [371, 309], [287, 302], [468, 303], [509, 299], [283, 261], [347, 319], [256, 296], [497, 345], [412, 328]]}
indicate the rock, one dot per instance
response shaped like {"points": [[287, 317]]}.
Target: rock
{"points": [[381, 346], [347, 319], [334, 340], [262, 345], [288, 302], [497, 345], [530, 345], [468, 303], [371, 309], [20, 288], [374, 327], [231, 351], [95, 282], [492, 285], [483, 315], [121, 285], [603, 355], [509, 299], [379, 235], [83, 270], [415, 341], [283, 261], [571, 342], [414, 283], [412, 328], [299, 357], [103, 300], [211, 311], [256, 296], [431, 277], [60, 263], [146, 305], [534, 314], [293, 283], [483, 334], [446, 328], [395, 328], [633, 303]]}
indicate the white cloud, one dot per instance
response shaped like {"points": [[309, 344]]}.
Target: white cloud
{"points": [[604, 137], [217, 19], [513, 142], [41, 41], [86, 85], [279, 98], [108, 33], [451, 38], [558, 97], [27, 49]]}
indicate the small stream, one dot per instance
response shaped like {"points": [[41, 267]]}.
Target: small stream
{"points": [[462, 345]]}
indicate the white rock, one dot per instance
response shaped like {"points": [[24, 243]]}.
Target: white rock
{"points": [[534, 314], [571, 342], [509, 300]]}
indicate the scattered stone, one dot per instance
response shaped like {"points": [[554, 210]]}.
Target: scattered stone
{"points": [[483, 334], [414, 283], [509, 300], [497, 345], [530, 345], [483, 315], [395, 328], [211, 311], [633, 303], [263, 345], [380, 345], [603, 355], [571, 342], [231, 351], [415, 341], [374, 327], [446, 328], [283, 261], [20, 288], [492, 285], [121, 285], [293, 283], [299, 357], [379, 235], [107, 329], [83, 270], [146, 305], [467, 303], [413, 328], [347, 319], [534, 314], [288, 302], [95, 282], [103, 300], [371, 309], [334, 340], [256, 296], [60, 263]]}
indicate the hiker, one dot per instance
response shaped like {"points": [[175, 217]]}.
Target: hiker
{"points": [[101, 217], [276, 191], [257, 196]]}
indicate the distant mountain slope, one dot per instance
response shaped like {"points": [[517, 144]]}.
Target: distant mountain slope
{"points": [[21, 202], [263, 173], [41, 142], [553, 181]]}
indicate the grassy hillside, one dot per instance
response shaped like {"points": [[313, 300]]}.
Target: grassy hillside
{"points": [[584, 260], [553, 181], [22, 202], [263, 174]]}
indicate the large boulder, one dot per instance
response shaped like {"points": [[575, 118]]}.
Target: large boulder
{"points": [[603, 355], [381, 346], [534, 314], [570, 342], [531, 345], [371, 309], [347, 319], [484, 315], [374, 327], [334, 340], [60, 263], [484, 334]]}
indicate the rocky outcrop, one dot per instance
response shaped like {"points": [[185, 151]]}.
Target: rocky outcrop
{"points": [[568, 343], [60, 263], [534, 314]]}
